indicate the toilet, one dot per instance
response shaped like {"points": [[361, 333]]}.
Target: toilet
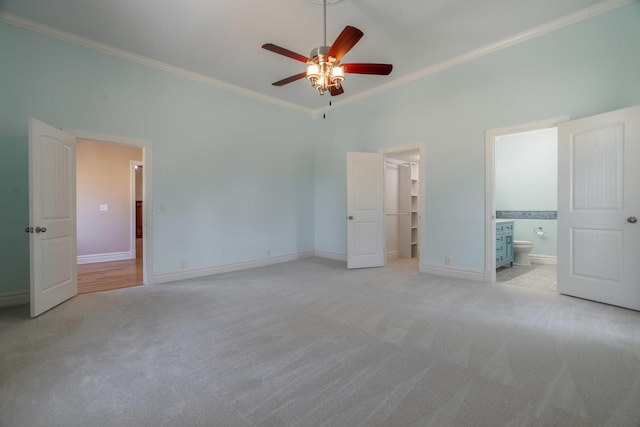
{"points": [[521, 249]]}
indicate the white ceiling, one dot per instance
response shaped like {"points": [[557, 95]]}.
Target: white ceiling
{"points": [[222, 39]]}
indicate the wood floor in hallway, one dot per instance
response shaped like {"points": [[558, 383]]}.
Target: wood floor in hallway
{"points": [[105, 276]]}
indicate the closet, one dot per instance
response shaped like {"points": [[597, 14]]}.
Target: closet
{"points": [[408, 205], [402, 208]]}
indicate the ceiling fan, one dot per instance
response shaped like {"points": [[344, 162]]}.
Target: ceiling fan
{"points": [[324, 70]]}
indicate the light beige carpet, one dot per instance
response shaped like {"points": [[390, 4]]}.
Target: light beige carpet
{"points": [[308, 343]]}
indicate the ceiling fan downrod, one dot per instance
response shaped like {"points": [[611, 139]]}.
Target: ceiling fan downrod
{"points": [[324, 14], [323, 71]]}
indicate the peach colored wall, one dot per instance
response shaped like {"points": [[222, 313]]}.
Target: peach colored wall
{"points": [[103, 177]]}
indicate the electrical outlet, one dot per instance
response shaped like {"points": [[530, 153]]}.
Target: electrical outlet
{"points": [[104, 207], [447, 260], [161, 209]]}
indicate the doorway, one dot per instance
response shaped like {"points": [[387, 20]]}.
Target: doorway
{"points": [[112, 185], [402, 207], [526, 189], [521, 194]]}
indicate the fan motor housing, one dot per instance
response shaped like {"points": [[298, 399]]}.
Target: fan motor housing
{"points": [[322, 50]]}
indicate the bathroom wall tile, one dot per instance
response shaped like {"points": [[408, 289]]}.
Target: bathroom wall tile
{"points": [[526, 214]]}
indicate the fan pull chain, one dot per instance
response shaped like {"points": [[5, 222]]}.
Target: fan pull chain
{"points": [[324, 114]]}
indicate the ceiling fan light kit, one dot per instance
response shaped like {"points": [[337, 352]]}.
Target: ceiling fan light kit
{"points": [[324, 71]]}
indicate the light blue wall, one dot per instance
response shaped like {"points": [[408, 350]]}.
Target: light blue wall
{"points": [[527, 180], [588, 68], [527, 171], [239, 176], [542, 245], [235, 174]]}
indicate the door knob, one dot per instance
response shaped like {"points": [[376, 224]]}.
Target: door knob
{"points": [[28, 230], [350, 217], [632, 219], [41, 229]]}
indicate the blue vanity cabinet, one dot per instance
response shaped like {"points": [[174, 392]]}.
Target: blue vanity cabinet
{"points": [[504, 243]]}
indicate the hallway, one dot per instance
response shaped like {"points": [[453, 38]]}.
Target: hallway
{"points": [[105, 276]]}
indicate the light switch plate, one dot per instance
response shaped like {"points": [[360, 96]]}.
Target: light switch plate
{"points": [[104, 208]]}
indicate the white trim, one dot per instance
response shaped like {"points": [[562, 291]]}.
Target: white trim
{"points": [[490, 185], [111, 139], [147, 193], [106, 49], [228, 268], [132, 205], [557, 24], [18, 298], [543, 259], [112, 256], [330, 255], [393, 254], [457, 273]]}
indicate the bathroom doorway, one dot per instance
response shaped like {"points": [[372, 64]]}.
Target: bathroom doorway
{"points": [[402, 207], [522, 205]]}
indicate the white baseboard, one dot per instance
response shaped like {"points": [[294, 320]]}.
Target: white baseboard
{"points": [[393, 254], [113, 256], [543, 259], [227, 268], [331, 255], [14, 299], [458, 273]]}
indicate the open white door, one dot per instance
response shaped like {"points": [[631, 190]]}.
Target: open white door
{"points": [[52, 216], [365, 210], [598, 207]]}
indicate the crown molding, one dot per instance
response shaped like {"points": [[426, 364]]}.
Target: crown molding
{"points": [[64, 36], [566, 21], [549, 27]]}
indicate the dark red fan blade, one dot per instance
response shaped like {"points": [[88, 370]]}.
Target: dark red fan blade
{"points": [[286, 52], [290, 79], [335, 91], [345, 41], [381, 69]]}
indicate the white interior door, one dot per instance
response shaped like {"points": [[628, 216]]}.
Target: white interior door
{"points": [[598, 203], [52, 216], [365, 210]]}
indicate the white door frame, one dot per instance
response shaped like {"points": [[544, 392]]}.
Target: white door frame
{"points": [[421, 190], [147, 223], [490, 186], [132, 204]]}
